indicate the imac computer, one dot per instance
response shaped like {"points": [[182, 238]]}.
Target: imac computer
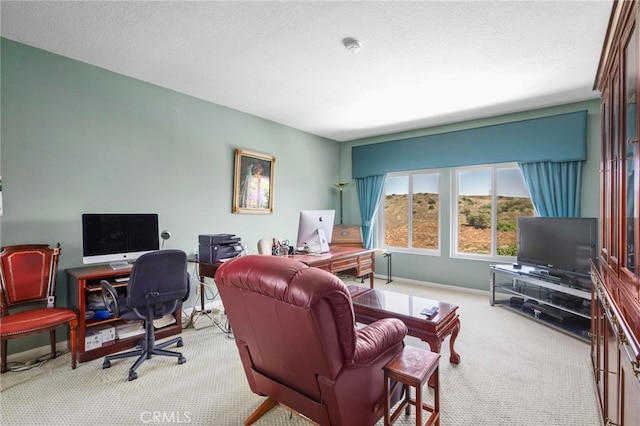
{"points": [[118, 238], [314, 230]]}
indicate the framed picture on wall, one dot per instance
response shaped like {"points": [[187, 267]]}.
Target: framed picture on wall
{"points": [[253, 182]]}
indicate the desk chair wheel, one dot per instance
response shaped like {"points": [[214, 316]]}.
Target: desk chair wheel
{"points": [[132, 375], [180, 344], [181, 359], [106, 364]]}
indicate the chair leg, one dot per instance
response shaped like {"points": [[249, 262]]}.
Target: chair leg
{"points": [[3, 367], [263, 409], [74, 343], [52, 343], [136, 352], [142, 358], [177, 341]]}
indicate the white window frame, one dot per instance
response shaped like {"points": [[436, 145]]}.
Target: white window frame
{"points": [[381, 209], [494, 257]]}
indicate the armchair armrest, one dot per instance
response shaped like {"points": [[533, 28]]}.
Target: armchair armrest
{"points": [[376, 338], [110, 298]]}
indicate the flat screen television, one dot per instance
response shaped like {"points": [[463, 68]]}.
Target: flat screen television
{"points": [[117, 239], [314, 230], [557, 245]]}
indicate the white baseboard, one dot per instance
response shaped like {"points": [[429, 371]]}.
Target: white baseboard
{"points": [[435, 285]]}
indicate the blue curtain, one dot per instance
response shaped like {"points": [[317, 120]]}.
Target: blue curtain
{"points": [[554, 187], [369, 196]]}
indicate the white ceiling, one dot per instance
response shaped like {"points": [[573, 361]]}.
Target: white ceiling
{"points": [[422, 63]]}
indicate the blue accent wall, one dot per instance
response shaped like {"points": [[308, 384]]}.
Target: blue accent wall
{"points": [[555, 138]]}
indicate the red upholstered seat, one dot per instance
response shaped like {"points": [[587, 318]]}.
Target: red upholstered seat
{"points": [[297, 338], [28, 276], [35, 320]]}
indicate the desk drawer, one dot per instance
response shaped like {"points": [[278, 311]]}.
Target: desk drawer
{"points": [[365, 265], [325, 266], [344, 264]]}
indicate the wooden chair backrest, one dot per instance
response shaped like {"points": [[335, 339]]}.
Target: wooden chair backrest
{"points": [[27, 274]]}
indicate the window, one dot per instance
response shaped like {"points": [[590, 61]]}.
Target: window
{"points": [[487, 203], [410, 211]]}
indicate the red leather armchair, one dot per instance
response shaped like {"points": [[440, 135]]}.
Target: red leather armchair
{"points": [[299, 345]]}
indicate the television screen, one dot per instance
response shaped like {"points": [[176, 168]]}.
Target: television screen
{"points": [[118, 238], [557, 244]]}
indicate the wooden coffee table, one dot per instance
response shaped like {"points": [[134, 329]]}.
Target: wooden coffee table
{"points": [[371, 305]]}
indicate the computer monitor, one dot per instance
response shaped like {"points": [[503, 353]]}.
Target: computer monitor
{"points": [[118, 238], [314, 230]]}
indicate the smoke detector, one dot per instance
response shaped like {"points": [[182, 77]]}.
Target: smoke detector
{"points": [[351, 44]]}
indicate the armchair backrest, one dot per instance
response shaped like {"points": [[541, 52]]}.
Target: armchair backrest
{"points": [[158, 281], [298, 322], [27, 274]]}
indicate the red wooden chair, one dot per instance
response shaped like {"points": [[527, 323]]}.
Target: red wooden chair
{"points": [[28, 279]]}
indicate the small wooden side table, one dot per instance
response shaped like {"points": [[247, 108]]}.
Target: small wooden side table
{"points": [[413, 367]]}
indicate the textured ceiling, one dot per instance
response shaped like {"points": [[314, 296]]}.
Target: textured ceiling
{"points": [[422, 63]]}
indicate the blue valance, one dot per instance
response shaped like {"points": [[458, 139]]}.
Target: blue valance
{"points": [[555, 138]]}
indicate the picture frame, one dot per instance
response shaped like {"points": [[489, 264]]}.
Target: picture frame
{"points": [[253, 182]]}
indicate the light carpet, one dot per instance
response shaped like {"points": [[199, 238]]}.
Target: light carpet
{"points": [[513, 371]]}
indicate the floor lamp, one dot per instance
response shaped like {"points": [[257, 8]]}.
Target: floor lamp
{"points": [[340, 186]]}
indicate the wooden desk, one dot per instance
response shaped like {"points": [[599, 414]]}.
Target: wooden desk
{"points": [[341, 259]]}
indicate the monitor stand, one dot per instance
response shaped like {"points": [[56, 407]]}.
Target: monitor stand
{"points": [[321, 246], [324, 245], [116, 266]]}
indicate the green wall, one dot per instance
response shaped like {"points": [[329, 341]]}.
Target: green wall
{"points": [[77, 138], [462, 272]]}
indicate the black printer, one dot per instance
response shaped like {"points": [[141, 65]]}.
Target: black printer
{"points": [[215, 247]]}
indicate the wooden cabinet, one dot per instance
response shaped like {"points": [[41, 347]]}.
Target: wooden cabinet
{"points": [[615, 318], [84, 282]]}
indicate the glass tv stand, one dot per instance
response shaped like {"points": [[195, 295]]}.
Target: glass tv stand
{"points": [[563, 303]]}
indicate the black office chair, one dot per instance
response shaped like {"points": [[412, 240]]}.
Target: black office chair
{"points": [[158, 284]]}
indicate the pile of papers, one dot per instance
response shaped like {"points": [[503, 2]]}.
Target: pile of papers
{"points": [[131, 329], [164, 321]]}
